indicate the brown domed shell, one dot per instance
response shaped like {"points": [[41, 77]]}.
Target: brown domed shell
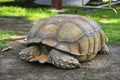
{"points": [[70, 33]]}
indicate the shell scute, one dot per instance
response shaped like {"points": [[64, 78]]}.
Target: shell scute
{"points": [[75, 48], [84, 45], [47, 31], [69, 32], [63, 46], [50, 42]]}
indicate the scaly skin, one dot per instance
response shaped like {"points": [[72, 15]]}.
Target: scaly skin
{"points": [[29, 53], [62, 59]]}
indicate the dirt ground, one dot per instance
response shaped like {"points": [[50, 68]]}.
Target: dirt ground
{"points": [[103, 67]]}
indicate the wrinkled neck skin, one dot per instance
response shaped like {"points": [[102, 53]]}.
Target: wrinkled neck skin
{"points": [[44, 49], [44, 52]]}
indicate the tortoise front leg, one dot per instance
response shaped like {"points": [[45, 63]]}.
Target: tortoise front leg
{"points": [[62, 59], [29, 54]]}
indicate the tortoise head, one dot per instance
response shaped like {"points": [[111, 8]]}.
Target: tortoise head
{"points": [[43, 57]]}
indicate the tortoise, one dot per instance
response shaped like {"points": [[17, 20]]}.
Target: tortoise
{"points": [[64, 40]]}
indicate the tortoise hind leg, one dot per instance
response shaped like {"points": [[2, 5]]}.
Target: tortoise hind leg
{"points": [[104, 49], [62, 59]]}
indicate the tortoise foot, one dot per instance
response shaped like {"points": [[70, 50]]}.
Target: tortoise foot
{"points": [[63, 60]]}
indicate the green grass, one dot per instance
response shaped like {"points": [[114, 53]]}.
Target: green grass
{"points": [[113, 33], [111, 24], [6, 35], [29, 13], [6, 0]]}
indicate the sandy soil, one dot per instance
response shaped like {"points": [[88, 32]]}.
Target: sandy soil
{"points": [[103, 67]]}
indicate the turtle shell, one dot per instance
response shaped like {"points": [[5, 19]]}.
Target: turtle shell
{"points": [[74, 34]]}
